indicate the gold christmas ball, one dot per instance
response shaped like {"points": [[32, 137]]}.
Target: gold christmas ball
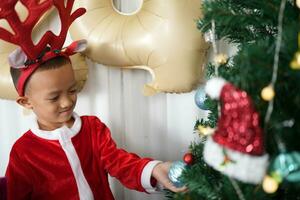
{"points": [[268, 93], [295, 63], [221, 59], [298, 3], [205, 131], [270, 185]]}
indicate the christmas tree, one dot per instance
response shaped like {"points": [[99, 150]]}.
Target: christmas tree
{"points": [[249, 145]]}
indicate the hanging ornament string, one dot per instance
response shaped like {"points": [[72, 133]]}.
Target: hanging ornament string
{"points": [[217, 61], [237, 189], [275, 64], [214, 45], [222, 59], [287, 124], [215, 50]]}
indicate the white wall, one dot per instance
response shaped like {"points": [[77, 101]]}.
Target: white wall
{"points": [[160, 126]]}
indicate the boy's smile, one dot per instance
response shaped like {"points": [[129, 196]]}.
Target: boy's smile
{"points": [[52, 95]]}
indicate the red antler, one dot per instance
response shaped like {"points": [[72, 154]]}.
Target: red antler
{"points": [[23, 30]]}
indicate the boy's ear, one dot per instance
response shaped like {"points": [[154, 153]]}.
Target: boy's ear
{"points": [[24, 101]]}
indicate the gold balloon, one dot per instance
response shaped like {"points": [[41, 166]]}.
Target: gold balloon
{"points": [[160, 37], [7, 89]]}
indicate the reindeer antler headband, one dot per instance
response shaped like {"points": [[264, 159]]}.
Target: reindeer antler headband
{"points": [[29, 56]]}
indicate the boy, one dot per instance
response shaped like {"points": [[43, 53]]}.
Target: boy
{"points": [[65, 156]]}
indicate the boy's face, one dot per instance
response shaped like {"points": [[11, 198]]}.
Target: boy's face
{"points": [[52, 96]]}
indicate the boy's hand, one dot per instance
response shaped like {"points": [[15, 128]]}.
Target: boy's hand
{"points": [[160, 173]]}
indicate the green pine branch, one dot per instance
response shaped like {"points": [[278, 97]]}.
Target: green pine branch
{"points": [[252, 26]]}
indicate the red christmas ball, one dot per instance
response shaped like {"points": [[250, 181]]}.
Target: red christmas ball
{"points": [[188, 158]]}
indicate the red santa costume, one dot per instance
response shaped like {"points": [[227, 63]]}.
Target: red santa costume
{"points": [[73, 163], [3, 188]]}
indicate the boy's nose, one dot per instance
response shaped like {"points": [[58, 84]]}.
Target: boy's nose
{"points": [[66, 102]]}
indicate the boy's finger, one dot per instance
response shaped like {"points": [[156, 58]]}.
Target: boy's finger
{"points": [[171, 187], [182, 189]]}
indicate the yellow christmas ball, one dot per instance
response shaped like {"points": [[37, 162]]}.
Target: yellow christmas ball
{"points": [[268, 93], [221, 59], [295, 63], [298, 3], [205, 131], [270, 185]]}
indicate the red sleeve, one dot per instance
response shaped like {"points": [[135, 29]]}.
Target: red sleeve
{"points": [[3, 188], [126, 167], [18, 179]]}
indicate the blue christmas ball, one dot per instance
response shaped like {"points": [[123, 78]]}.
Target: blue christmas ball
{"points": [[175, 172], [200, 98], [287, 166]]}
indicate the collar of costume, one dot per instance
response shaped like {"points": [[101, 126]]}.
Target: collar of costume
{"points": [[61, 133], [29, 56]]}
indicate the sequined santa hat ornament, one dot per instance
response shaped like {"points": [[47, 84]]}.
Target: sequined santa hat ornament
{"points": [[29, 56], [236, 148]]}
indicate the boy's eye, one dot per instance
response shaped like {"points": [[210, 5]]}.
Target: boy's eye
{"points": [[53, 98], [73, 91]]}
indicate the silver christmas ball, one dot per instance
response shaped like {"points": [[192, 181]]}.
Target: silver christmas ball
{"points": [[175, 172], [200, 98]]}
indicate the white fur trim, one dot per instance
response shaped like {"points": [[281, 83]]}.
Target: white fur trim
{"points": [[84, 190], [55, 134], [146, 177], [214, 87], [247, 168], [64, 136]]}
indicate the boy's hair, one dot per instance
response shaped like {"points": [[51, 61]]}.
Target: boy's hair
{"points": [[53, 63]]}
